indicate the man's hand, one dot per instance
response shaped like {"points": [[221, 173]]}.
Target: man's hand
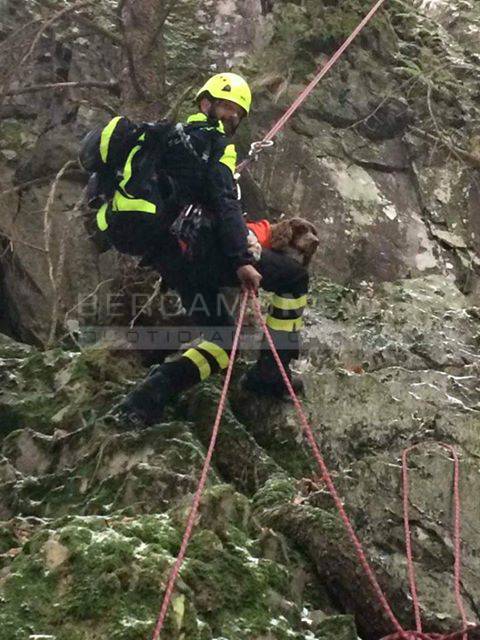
{"points": [[249, 277]]}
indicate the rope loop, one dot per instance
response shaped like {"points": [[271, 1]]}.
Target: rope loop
{"points": [[258, 146]]}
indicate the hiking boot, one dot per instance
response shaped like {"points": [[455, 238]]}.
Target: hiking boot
{"points": [[144, 406], [273, 387], [126, 419]]}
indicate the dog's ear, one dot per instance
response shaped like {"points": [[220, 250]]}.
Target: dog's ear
{"points": [[313, 229], [297, 221], [301, 226], [282, 234]]}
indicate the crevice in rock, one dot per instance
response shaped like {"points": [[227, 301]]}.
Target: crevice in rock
{"points": [[375, 166]]}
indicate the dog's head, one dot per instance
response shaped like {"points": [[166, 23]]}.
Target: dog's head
{"points": [[296, 237]]}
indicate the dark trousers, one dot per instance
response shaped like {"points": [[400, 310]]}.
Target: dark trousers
{"points": [[201, 283], [199, 286]]}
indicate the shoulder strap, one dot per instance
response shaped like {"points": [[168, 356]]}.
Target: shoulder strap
{"points": [[181, 135]]}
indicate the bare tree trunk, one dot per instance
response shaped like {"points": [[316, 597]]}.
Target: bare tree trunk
{"points": [[143, 81]]}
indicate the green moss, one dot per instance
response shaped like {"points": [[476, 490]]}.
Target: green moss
{"points": [[232, 580], [7, 539], [52, 389], [110, 575], [136, 472], [337, 628], [331, 299], [279, 489], [12, 135], [301, 32], [27, 599]]}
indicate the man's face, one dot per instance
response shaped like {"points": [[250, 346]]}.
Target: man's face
{"points": [[229, 114]]}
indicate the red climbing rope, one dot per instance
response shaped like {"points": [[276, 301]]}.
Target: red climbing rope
{"points": [[328, 480], [456, 535], [269, 136], [311, 86], [471, 632], [203, 478]]}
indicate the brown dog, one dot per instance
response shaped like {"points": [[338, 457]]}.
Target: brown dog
{"points": [[296, 237]]}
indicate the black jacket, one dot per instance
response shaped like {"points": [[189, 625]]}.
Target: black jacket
{"points": [[195, 158], [210, 182]]}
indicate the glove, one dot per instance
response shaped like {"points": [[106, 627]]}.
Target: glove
{"points": [[254, 246]]}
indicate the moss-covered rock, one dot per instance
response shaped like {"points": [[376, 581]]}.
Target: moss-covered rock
{"points": [[92, 514], [52, 389], [91, 578]]}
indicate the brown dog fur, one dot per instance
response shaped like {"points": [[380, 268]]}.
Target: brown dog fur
{"points": [[296, 237]]}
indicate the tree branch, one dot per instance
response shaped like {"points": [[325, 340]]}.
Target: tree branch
{"points": [[121, 4], [91, 24], [97, 104], [467, 157], [14, 35], [133, 74], [28, 183], [128, 54], [172, 113], [24, 242], [90, 295], [54, 18], [54, 274], [156, 290], [110, 85], [159, 27]]}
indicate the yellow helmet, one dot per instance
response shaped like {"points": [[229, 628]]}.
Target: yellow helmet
{"points": [[228, 86]]}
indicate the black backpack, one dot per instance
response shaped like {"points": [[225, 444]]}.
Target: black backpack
{"points": [[104, 152], [125, 161]]}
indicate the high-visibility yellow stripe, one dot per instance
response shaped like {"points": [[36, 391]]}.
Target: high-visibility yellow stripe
{"points": [[201, 362], [289, 303], [284, 325], [106, 136], [127, 170], [121, 203], [102, 217], [197, 117], [201, 117], [229, 157], [217, 352]]}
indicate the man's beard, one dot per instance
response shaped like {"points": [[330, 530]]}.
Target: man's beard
{"points": [[230, 127]]}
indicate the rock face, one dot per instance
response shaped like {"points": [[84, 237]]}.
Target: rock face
{"points": [[92, 512], [131, 494], [393, 390], [384, 159], [355, 158]]}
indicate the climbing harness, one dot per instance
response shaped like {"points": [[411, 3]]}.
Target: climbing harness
{"points": [[190, 228]]}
